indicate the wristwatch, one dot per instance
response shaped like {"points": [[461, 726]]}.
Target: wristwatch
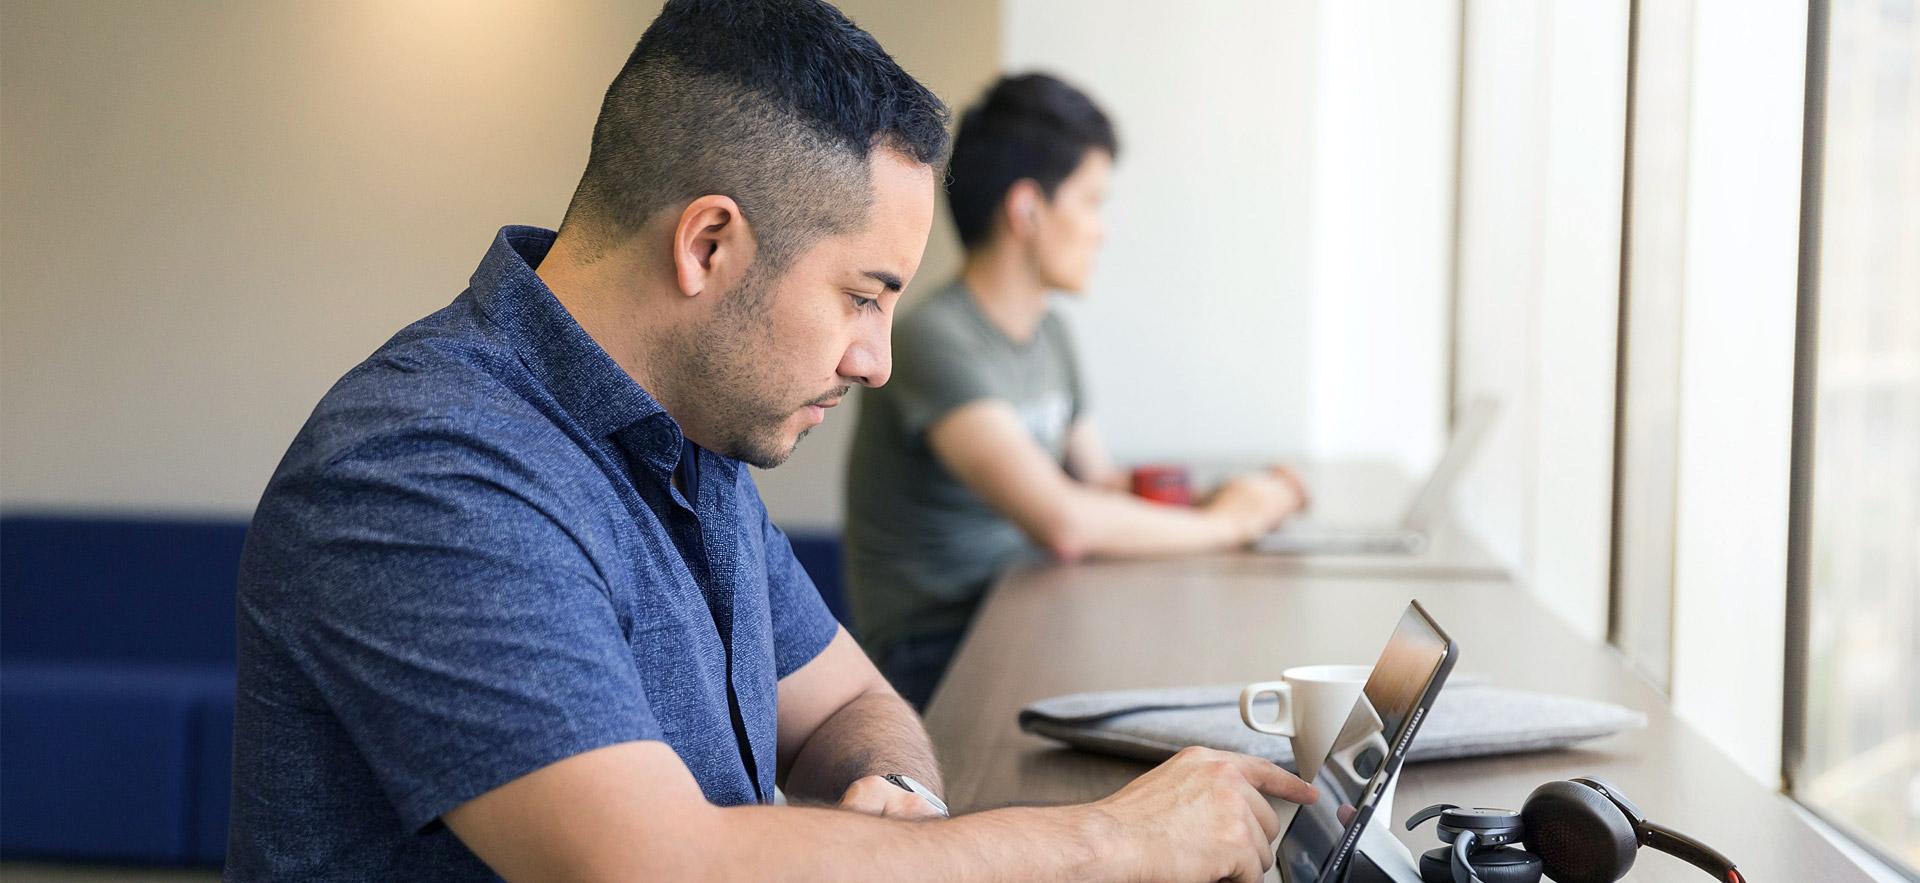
{"points": [[908, 783]]}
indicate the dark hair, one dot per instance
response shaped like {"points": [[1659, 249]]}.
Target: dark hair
{"points": [[1028, 126], [775, 103]]}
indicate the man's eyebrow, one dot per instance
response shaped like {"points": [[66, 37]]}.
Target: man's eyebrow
{"points": [[885, 278]]}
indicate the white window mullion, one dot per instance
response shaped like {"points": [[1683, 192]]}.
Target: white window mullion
{"points": [[1736, 379]]}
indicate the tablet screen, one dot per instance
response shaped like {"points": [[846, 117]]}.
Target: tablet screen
{"points": [[1364, 758]]}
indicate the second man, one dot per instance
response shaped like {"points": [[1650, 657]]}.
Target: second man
{"points": [[980, 452]]}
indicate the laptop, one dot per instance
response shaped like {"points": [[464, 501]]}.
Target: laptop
{"points": [[1423, 513]]}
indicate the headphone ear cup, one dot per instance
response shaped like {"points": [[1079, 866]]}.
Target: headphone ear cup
{"points": [[1579, 835], [1494, 866], [1508, 865]]}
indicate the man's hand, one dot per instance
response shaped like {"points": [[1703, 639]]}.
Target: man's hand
{"points": [[876, 796], [1292, 479], [1203, 815], [1254, 504]]}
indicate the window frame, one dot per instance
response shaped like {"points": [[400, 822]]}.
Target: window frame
{"points": [[1800, 482]]}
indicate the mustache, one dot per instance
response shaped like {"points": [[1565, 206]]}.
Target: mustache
{"points": [[831, 396]]}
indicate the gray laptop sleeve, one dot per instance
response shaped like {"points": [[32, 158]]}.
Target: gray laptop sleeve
{"points": [[1467, 721]]}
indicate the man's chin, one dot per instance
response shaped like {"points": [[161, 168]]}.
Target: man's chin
{"points": [[769, 456]]}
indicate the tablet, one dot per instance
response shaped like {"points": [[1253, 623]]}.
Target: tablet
{"points": [[1369, 750]]}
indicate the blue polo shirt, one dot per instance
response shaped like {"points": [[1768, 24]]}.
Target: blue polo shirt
{"points": [[473, 563]]}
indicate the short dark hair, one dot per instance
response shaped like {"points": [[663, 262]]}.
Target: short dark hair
{"points": [[1028, 126], [775, 103]]}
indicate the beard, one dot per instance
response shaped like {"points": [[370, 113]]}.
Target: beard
{"points": [[731, 379]]}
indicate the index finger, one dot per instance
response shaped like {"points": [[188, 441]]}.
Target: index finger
{"points": [[1269, 778]]}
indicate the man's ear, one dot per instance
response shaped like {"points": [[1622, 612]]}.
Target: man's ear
{"points": [[1022, 206], [712, 245]]}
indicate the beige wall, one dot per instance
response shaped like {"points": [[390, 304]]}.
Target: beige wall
{"points": [[209, 211]]}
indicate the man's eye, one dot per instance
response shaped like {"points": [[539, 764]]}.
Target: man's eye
{"points": [[864, 304]]}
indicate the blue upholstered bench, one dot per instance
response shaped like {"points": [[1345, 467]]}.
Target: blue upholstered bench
{"points": [[116, 687], [116, 684]]}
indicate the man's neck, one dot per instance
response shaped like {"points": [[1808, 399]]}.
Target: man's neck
{"points": [[1008, 290], [598, 295]]}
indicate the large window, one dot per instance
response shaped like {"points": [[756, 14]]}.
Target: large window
{"points": [[1857, 757]]}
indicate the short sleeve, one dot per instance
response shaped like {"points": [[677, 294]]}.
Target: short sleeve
{"points": [[935, 370], [802, 624], [458, 633]]}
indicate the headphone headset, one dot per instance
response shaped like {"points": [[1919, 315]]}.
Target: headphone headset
{"points": [[1581, 830]]}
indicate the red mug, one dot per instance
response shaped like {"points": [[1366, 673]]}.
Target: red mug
{"points": [[1163, 483]]}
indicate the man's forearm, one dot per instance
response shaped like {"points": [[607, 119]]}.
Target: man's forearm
{"points": [[632, 811], [1017, 844], [873, 735], [1078, 843], [1119, 525]]}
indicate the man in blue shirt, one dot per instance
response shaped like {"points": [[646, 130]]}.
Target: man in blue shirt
{"points": [[511, 604]]}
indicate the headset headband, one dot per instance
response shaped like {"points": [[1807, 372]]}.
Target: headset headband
{"points": [[1664, 839]]}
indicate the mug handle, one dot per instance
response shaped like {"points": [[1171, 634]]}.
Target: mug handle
{"points": [[1282, 723]]}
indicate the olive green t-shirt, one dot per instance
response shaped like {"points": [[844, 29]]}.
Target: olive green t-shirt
{"points": [[920, 547]]}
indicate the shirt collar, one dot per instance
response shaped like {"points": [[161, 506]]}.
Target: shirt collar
{"points": [[586, 382]]}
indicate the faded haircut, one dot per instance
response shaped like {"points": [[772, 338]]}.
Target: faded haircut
{"points": [[777, 104]]}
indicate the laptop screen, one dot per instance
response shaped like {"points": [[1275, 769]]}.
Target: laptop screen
{"points": [[1430, 503]]}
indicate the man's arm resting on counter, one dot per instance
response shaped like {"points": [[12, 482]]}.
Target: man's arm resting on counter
{"points": [[985, 446], [632, 811], [841, 722]]}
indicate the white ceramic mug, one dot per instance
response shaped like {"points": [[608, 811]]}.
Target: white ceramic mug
{"points": [[1315, 701]]}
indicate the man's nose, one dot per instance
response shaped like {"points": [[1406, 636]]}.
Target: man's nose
{"points": [[869, 361]]}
